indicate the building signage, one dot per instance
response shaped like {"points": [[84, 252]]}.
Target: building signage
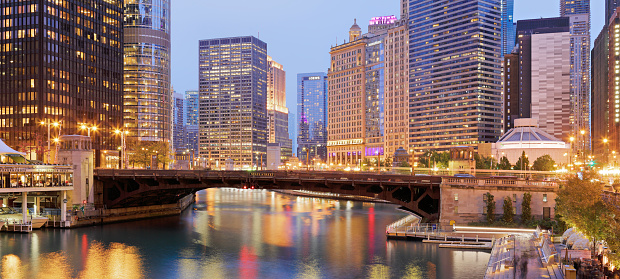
{"points": [[344, 142], [383, 20], [314, 78]]}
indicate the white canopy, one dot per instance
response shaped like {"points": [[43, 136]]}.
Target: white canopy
{"points": [[5, 149]]}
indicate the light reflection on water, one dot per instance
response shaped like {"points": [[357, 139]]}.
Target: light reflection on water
{"points": [[239, 234]]}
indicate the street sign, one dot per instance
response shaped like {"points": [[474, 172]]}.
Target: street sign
{"points": [[64, 201]]}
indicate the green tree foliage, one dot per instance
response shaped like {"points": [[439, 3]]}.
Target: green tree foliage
{"points": [[526, 209], [140, 153], [523, 162], [508, 211], [483, 162], [544, 163], [504, 164], [434, 159], [582, 206], [490, 208]]}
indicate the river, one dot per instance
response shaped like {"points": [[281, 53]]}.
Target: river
{"points": [[230, 233]]}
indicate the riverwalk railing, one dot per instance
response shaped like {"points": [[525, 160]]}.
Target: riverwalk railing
{"points": [[410, 219], [497, 182]]}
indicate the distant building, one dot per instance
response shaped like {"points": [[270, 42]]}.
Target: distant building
{"points": [[273, 156], [276, 108], [537, 76], [578, 11], [191, 120], [312, 116], [60, 70], [455, 81], [527, 137], [178, 131], [509, 27], [233, 101]]}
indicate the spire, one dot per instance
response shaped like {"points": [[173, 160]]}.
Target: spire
{"points": [[355, 31]]}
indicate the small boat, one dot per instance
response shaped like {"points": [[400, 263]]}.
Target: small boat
{"points": [[38, 222]]}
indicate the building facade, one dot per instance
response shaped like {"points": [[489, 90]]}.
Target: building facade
{"points": [[450, 103], [148, 94], [233, 101], [312, 117], [614, 82], [62, 62], [509, 26], [191, 108], [579, 13], [276, 109], [178, 127], [600, 96], [537, 76], [396, 88]]}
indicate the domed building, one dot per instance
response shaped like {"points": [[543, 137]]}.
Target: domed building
{"points": [[527, 137]]}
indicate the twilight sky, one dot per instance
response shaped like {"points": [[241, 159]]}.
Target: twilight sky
{"points": [[298, 33]]}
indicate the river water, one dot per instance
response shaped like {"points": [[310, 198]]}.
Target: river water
{"points": [[232, 233]]}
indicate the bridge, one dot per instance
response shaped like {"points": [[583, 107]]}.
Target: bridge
{"points": [[130, 188]]}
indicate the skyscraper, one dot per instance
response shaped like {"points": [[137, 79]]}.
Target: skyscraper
{"points": [[614, 82], [191, 120], [600, 95], [508, 26], [450, 103], [178, 133], [579, 13], [233, 101], [610, 8], [277, 110], [61, 61], [148, 95], [312, 116], [537, 76]]}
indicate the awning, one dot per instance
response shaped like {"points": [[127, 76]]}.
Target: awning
{"points": [[5, 149]]}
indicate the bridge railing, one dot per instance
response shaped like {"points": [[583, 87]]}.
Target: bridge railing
{"points": [[498, 181]]}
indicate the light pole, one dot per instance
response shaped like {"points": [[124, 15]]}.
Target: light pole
{"points": [[412, 159], [570, 157], [49, 124], [583, 150], [88, 128], [606, 141], [307, 156], [123, 148]]}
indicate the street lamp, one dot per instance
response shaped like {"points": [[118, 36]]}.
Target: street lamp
{"points": [[307, 156], [412, 159], [123, 147], [49, 124], [88, 128]]}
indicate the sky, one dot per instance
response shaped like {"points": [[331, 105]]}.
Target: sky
{"points": [[298, 33]]}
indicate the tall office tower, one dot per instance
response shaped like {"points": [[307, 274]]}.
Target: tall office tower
{"points": [[233, 101], [508, 26], [610, 8], [397, 88], [61, 61], [190, 120], [404, 9], [312, 117], [455, 81], [276, 109], [178, 132], [614, 82], [600, 85], [347, 100], [537, 76], [148, 94], [579, 13]]}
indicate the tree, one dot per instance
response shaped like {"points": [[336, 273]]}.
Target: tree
{"points": [[544, 163], [523, 162], [508, 211], [483, 162], [490, 208], [432, 159], [526, 210], [504, 164]]}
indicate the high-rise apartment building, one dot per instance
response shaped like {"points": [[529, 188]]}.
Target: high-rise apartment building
{"points": [[600, 96], [178, 131], [190, 119], [614, 81], [312, 117], [509, 27], [148, 94], [579, 13], [276, 109], [537, 76], [233, 101], [62, 61], [396, 88], [455, 81]]}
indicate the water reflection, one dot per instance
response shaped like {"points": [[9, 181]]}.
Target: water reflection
{"points": [[239, 234]]}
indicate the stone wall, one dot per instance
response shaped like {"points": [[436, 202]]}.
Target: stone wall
{"points": [[462, 200]]}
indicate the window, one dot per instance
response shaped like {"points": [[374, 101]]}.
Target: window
{"points": [[456, 197], [544, 197]]}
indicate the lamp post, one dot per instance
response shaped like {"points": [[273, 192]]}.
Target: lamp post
{"points": [[88, 128], [123, 148], [412, 159], [307, 156], [606, 141], [570, 157], [49, 125]]}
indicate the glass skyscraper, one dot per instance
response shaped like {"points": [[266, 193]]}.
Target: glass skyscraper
{"points": [[178, 131], [61, 61], [455, 80], [190, 119], [312, 116], [233, 101], [509, 30], [148, 95], [579, 13]]}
